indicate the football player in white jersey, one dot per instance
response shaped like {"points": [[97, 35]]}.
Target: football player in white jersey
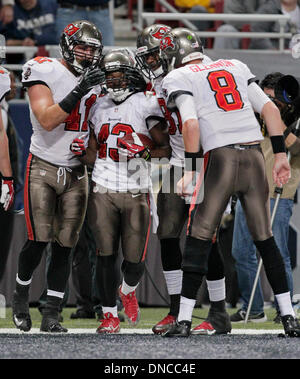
{"points": [[56, 186], [172, 209], [119, 204], [217, 102], [7, 185]]}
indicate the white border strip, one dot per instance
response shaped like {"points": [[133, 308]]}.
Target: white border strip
{"points": [[135, 331]]}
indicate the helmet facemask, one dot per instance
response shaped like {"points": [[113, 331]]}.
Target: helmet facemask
{"points": [[148, 54], [122, 78], [85, 56], [150, 62]]}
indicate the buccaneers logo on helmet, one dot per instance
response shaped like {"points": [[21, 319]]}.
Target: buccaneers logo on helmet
{"points": [[167, 42], [70, 29], [161, 32]]}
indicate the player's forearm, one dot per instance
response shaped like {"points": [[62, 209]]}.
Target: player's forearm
{"points": [[271, 115], [161, 152], [89, 158], [191, 135], [50, 117]]}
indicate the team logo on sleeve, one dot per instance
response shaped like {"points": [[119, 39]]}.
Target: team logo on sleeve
{"points": [[70, 29], [167, 42], [161, 32], [27, 73]]}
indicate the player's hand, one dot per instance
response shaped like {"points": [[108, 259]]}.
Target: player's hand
{"points": [[125, 154], [90, 78], [78, 147], [183, 185], [133, 150], [281, 170], [7, 192]]}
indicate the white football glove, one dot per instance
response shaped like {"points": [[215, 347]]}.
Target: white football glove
{"points": [[7, 192]]}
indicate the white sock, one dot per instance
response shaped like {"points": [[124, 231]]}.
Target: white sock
{"points": [[173, 281], [186, 308], [126, 289], [285, 304], [112, 310], [216, 289], [23, 282]]}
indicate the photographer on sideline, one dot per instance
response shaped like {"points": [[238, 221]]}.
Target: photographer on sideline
{"points": [[283, 90]]}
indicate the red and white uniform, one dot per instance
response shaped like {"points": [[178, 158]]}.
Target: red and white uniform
{"points": [[53, 146], [4, 83], [220, 94], [174, 123], [139, 114]]}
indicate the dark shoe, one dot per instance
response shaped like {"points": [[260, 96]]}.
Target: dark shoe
{"points": [[216, 323], [164, 325], [20, 310], [291, 326], [60, 317], [82, 313], [180, 329], [50, 324], [240, 316], [277, 318]]}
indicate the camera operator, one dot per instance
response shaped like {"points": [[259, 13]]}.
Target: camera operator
{"points": [[283, 90]]}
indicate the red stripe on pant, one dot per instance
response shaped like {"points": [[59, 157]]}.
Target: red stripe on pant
{"points": [[27, 200], [148, 232], [197, 189]]}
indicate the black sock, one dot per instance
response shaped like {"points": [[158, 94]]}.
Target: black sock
{"points": [[218, 306], [175, 304], [52, 306]]}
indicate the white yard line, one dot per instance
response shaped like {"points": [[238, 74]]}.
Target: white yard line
{"points": [[136, 331]]}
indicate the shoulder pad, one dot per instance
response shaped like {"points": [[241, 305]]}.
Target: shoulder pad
{"points": [[38, 69]]}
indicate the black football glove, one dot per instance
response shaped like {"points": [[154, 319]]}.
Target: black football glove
{"points": [[90, 78]]}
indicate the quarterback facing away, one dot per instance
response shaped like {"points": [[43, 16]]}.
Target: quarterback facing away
{"points": [[173, 209], [216, 103], [56, 186]]}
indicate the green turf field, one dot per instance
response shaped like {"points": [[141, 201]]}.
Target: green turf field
{"points": [[149, 317]]}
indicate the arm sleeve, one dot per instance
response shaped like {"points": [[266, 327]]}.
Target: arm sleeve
{"points": [[257, 97], [36, 73], [175, 84], [186, 106]]}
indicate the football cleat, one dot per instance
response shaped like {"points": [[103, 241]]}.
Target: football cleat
{"points": [[20, 310], [50, 324], [291, 326], [165, 324], [205, 328], [216, 323], [109, 324], [131, 307], [180, 329]]}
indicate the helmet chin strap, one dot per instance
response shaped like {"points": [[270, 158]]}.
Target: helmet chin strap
{"points": [[158, 72]]}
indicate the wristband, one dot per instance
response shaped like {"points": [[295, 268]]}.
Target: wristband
{"points": [[191, 161], [278, 144], [7, 178], [69, 102]]}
